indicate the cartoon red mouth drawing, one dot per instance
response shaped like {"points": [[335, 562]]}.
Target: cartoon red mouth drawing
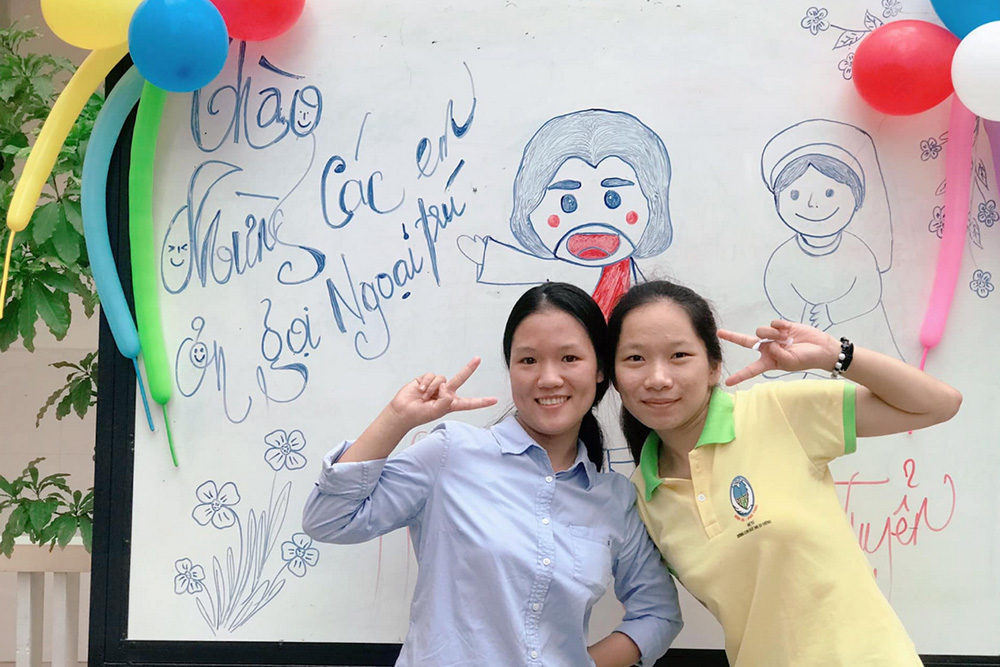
{"points": [[593, 246]]}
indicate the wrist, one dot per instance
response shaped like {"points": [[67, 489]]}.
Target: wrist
{"points": [[394, 424]]}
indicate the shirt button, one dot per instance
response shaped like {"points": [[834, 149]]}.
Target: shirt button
{"points": [[536, 606], [548, 478], [545, 521], [546, 561], [701, 497], [534, 654]]}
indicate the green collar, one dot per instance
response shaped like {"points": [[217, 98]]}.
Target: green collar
{"points": [[719, 429]]}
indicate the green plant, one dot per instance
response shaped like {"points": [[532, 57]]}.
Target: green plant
{"points": [[50, 260], [45, 509], [78, 394]]}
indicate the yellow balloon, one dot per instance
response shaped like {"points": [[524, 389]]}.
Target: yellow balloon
{"points": [[90, 24]]}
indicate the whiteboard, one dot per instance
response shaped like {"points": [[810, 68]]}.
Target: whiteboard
{"points": [[316, 209]]}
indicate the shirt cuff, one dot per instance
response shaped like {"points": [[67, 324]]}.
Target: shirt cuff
{"points": [[653, 636], [354, 480]]}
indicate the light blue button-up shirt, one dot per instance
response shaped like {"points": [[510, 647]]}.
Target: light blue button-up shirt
{"points": [[512, 556]]}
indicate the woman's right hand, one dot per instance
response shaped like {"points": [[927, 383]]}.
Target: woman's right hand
{"points": [[431, 396]]}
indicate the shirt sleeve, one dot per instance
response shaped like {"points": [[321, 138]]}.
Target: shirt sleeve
{"points": [[358, 501], [821, 413], [647, 591]]}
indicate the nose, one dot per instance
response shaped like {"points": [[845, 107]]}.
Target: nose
{"points": [[549, 376], [659, 377], [812, 200]]}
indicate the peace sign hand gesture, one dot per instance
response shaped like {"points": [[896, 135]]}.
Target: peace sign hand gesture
{"points": [[785, 346], [433, 396]]}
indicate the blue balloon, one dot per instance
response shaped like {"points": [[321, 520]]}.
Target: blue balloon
{"points": [[964, 16], [94, 206], [178, 45]]}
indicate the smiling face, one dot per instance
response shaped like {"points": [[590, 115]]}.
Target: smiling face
{"points": [[662, 368], [553, 375], [592, 215], [816, 205]]}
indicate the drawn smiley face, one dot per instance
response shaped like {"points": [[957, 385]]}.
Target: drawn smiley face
{"points": [[816, 205], [199, 355], [307, 108], [177, 254]]}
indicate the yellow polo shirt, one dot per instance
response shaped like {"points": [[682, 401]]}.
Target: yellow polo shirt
{"points": [[759, 536]]}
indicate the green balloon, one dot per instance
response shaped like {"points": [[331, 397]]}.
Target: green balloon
{"points": [[143, 247]]}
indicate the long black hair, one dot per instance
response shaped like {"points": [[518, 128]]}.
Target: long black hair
{"points": [[573, 301], [702, 319]]}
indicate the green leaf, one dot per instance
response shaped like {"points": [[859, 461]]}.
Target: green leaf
{"points": [[53, 307], [74, 215], [16, 520], [48, 404], [6, 486], [7, 89], [80, 395], [7, 544], [65, 405], [65, 528], [27, 313], [87, 532], [8, 325], [39, 513], [44, 222], [42, 86], [66, 240]]}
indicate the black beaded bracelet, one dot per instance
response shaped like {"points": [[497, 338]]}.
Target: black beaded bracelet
{"points": [[843, 359]]}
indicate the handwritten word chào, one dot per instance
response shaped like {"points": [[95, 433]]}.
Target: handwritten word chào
{"points": [[357, 305], [902, 526], [273, 114]]}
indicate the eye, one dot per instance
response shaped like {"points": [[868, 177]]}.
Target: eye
{"points": [[681, 355], [612, 199], [570, 358], [634, 357], [528, 360], [829, 192], [568, 203], [171, 248], [794, 194], [184, 247]]}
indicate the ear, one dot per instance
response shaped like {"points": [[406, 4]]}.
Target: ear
{"points": [[600, 376], [716, 373]]}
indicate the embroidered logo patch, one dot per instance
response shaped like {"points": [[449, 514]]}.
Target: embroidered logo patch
{"points": [[741, 496]]}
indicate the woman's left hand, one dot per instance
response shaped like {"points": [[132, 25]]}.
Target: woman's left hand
{"points": [[795, 347]]}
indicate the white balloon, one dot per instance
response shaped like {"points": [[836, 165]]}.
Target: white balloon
{"points": [[975, 71]]}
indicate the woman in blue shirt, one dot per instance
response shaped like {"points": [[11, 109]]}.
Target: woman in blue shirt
{"points": [[516, 530]]}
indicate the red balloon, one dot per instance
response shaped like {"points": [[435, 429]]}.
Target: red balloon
{"points": [[904, 67], [257, 20]]}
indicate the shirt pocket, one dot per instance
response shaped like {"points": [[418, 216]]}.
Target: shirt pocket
{"points": [[591, 558]]}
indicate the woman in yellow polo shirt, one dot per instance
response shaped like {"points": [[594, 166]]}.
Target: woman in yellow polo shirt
{"points": [[735, 488]]}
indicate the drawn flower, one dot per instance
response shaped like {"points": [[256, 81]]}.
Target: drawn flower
{"points": [[929, 149], [283, 450], [981, 283], [300, 554], [846, 66], [937, 222], [815, 20], [891, 8], [215, 505], [988, 213], [189, 577]]}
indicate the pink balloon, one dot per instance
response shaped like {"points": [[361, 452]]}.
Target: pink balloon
{"points": [[956, 211]]}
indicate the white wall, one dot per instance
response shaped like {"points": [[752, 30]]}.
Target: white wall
{"points": [[27, 380]]}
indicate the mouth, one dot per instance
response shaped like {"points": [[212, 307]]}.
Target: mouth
{"points": [[593, 246], [818, 219], [176, 264], [302, 124], [550, 401], [659, 402]]}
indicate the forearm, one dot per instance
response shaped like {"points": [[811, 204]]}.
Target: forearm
{"points": [[379, 439], [900, 385], [615, 650]]}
